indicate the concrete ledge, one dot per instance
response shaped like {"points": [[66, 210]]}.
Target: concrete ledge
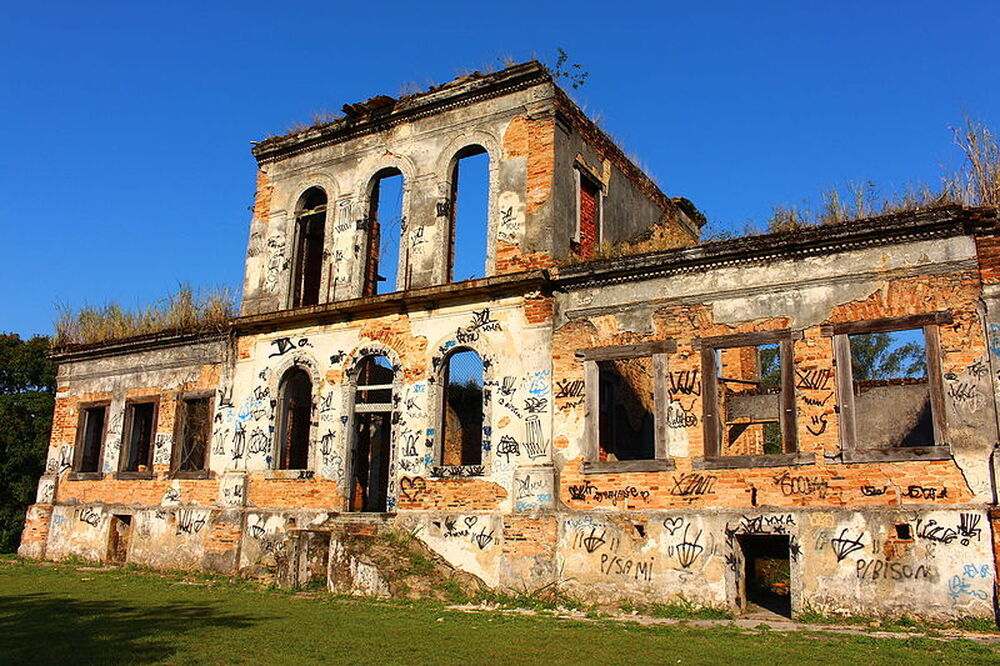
{"points": [[622, 466], [739, 462], [898, 454]]}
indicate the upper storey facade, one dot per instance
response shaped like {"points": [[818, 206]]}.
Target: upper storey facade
{"points": [[558, 187]]}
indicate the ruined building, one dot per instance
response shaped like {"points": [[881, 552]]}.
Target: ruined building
{"points": [[613, 408]]}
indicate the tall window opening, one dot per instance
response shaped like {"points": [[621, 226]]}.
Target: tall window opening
{"points": [[194, 430], [385, 229], [140, 426], [626, 418], [588, 218], [294, 417], [90, 438], [889, 387], [462, 421], [372, 434], [470, 194], [310, 227], [749, 395]]}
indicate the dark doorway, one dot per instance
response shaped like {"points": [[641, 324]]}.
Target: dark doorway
{"points": [[372, 434], [767, 573], [119, 535], [310, 225], [294, 419]]}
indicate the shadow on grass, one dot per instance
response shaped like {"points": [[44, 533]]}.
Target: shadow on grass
{"points": [[48, 628]]}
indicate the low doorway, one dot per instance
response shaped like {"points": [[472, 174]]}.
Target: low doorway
{"points": [[119, 535], [766, 574]]}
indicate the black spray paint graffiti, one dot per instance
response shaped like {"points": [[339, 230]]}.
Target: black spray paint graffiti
{"points": [[816, 380], [588, 489], [285, 345], [481, 321], [693, 485], [817, 425], [483, 539], [844, 545], [924, 492], [593, 542], [874, 491], [635, 569], [872, 570], [968, 527], [534, 443], [533, 405], [679, 416], [931, 531], [89, 516], [457, 471], [685, 382], [569, 389], [507, 447], [817, 403], [801, 485], [671, 525], [689, 549], [188, 524]]}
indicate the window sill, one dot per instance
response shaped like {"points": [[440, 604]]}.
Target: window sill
{"points": [[740, 462], [898, 454], [294, 474], [457, 471], [126, 476], [191, 474], [86, 476], [622, 466]]}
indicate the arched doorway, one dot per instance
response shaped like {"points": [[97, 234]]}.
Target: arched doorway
{"points": [[372, 433]]}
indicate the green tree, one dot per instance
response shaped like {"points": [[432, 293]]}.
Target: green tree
{"points": [[884, 356], [27, 396]]}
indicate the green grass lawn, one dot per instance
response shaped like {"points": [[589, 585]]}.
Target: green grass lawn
{"points": [[62, 614]]}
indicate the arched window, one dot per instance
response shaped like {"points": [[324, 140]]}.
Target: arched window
{"points": [[469, 210], [385, 227], [294, 417], [310, 226], [372, 434], [462, 409]]}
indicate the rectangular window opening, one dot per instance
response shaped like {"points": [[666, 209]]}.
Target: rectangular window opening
{"points": [[195, 432], [749, 393], [626, 409], [891, 391], [588, 223], [140, 418], [92, 421]]}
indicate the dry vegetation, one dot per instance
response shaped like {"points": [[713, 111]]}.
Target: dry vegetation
{"points": [[185, 311], [975, 183]]}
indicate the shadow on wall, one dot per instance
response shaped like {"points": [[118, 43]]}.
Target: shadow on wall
{"points": [[101, 631]]}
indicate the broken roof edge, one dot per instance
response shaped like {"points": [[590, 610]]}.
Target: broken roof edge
{"points": [[934, 222], [382, 111]]}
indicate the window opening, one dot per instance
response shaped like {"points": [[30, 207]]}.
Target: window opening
{"points": [[470, 190], [626, 409], [588, 223], [372, 434], [294, 419], [462, 422], [141, 420], [195, 432], [385, 229], [889, 371], [749, 395], [310, 222], [119, 537], [92, 426]]}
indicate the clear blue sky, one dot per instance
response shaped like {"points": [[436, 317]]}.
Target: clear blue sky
{"points": [[126, 126]]}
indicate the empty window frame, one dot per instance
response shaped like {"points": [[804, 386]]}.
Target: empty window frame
{"points": [[889, 387], [310, 231], [748, 394], [193, 434], [373, 408], [587, 235], [626, 400], [385, 227], [294, 419], [470, 193], [138, 439], [462, 410], [91, 430]]}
